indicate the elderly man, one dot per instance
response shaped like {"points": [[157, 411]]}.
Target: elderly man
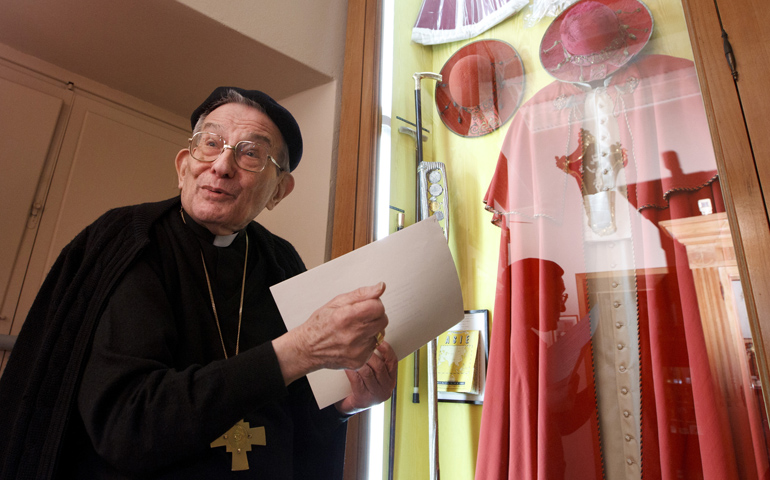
{"points": [[154, 348]]}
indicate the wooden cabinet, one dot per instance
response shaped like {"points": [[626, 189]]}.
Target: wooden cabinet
{"points": [[68, 156], [726, 329], [30, 136]]}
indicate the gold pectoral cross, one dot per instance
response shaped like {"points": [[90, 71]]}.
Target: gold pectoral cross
{"points": [[239, 440]]}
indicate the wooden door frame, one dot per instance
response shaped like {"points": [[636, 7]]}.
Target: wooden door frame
{"points": [[737, 167], [353, 223]]}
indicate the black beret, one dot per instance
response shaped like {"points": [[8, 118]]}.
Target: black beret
{"points": [[279, 115]]}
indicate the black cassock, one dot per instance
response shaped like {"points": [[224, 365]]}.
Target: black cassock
{"points": [[156, 389]]}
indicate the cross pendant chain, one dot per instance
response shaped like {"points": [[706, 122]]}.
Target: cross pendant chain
{"points": [[238, 440]]}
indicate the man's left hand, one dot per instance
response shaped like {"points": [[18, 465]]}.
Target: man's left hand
{"points": [[373, 383]]}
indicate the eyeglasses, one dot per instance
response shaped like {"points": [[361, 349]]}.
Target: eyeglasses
{"points": [[564, 297], [250, 156]]}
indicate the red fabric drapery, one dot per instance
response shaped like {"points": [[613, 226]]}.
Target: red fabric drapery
{"points": [[542, 417]]}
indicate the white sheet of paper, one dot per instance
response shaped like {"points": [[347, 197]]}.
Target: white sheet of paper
{"points": [[422, 296]]}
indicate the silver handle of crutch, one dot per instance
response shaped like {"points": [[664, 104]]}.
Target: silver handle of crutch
{"points": [[420, 75]]}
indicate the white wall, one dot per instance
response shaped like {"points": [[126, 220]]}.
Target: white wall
{"points": [[303, 217], [312, 32]]}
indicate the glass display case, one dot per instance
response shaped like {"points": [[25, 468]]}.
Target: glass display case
{"points": [[591, 216]]}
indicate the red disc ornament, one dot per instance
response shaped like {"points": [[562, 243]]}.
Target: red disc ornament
{"points": [[481, 88]]}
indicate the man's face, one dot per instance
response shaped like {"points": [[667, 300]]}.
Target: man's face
{"points": [[220, 195]]}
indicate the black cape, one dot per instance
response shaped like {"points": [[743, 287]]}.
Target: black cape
{"points": [[39, 389]]}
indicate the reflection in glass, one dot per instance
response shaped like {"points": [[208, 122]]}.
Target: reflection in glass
{"points": [[643, 371], [621, 348]]}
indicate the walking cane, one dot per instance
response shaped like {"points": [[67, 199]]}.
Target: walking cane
{"points": [[432, 394], [412, 132]]}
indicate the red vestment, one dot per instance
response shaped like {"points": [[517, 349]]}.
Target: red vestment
{"points": [[542, 417]]}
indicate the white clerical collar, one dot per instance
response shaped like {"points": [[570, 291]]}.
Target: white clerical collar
{"points": [[224, 240]]}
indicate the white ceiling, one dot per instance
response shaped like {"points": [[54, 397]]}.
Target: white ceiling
{"points": [[168, 54]]}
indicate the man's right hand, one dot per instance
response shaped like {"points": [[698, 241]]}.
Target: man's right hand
{"points": [[339, 335]]}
